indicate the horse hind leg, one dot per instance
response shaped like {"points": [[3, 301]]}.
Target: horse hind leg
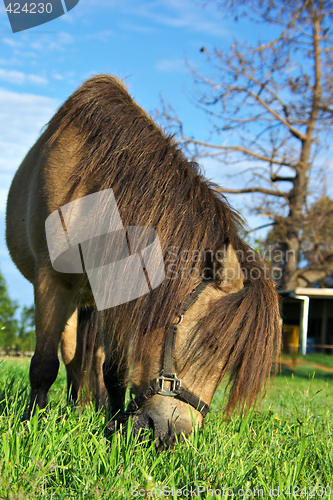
{"points": [[96, 356], [72, 353], [75, 345], [83, 355], [53, 307]]}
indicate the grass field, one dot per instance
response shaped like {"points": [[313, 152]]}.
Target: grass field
{"points": [[283, 449]]}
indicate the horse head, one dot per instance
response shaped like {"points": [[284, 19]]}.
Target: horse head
{"points": [[172, 387]]}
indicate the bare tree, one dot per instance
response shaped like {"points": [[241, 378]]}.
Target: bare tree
{"points": [[272, 107], [316, 243]]}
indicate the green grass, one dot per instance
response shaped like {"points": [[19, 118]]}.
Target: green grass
{"points": [[63, 452], [318, 358]]}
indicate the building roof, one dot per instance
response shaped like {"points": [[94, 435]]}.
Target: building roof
{"points": [[326, 293]]}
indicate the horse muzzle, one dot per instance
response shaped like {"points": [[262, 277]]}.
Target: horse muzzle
{"points": [[168, 419]]}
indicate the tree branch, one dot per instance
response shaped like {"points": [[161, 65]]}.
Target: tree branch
{"points": [[252, 190], [295, 132], [313, 272], [240, 150], [274, 42], [275, 178]]}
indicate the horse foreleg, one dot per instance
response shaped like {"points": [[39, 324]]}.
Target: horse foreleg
{"points": [[114, 383], [53, 307]]}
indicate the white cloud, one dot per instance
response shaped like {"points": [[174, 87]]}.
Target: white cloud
{"points": [[37, 79], [18, 77], [22, 117], [11, 42], [12, 76], [12, 61], [66, 75], [177, 14], [58, 76], [171, 66], [46, 42], [65, 38], [102, 36], [181, 15], [186, 14], [68, 18], [143, 30]]}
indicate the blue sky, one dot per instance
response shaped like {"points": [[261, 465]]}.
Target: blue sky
{"points": [[145, 42]]}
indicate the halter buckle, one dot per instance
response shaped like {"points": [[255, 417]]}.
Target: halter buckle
{"points": [[175, 384]]}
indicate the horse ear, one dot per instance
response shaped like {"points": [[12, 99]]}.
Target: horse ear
{"points": [[232, 274]]}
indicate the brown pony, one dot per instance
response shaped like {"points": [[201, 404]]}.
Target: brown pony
{"points": [[101, 139]]}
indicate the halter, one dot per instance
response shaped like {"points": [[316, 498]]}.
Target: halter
{"points": [[176, 390]]}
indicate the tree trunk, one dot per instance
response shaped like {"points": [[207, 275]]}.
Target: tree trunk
{"points": [[297, 195], [294, 226]]}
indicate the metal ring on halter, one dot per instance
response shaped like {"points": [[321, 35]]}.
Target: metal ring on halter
{"points": [[180, 319]]}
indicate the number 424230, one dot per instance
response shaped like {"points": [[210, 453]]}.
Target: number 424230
{"points": [[31, 8]]}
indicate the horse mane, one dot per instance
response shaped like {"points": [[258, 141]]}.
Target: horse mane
{"points": [[154, 185]]}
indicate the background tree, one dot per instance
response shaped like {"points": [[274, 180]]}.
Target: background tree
{"points": [[15, 335], [26, 332], [8, 324], [316, 243], [272, 105]]}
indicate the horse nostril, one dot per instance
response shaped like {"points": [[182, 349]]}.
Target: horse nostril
{"points": [[168, 441]]}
